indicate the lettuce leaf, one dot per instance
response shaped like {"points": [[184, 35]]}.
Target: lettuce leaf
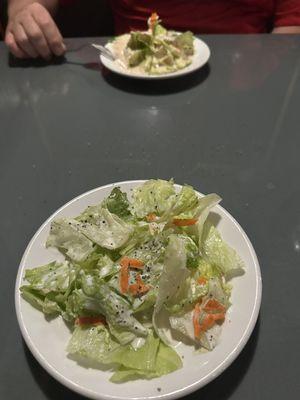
{"points": [[189, 292], [116, 309], [79, 304], [221, 254], [186, 200], [117, 203], [204, 207], [143, 358], [192, 251], [154, 196], [93, 343], [167, 361], [43, 303], [52, 277], [104, 228], [174, 273], [65, 236]]}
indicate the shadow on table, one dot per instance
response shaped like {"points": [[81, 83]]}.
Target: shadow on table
{"points": [[220, 389], [157, 87], [14, 62], [125, 84]]}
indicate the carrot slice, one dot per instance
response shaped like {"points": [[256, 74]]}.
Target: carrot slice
{"points": [[214, 306], [126, 263], [196, 324], [202, 280], [209, 320], [151, 217], [153, 19], [139, 287], [124, 277], [131, 262], [184, 222], [90, 321]]}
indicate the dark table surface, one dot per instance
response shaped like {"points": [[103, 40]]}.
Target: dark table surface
{"points": [[231, 128]]}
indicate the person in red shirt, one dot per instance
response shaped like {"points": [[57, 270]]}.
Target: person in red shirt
{"points": [[32, 32]]}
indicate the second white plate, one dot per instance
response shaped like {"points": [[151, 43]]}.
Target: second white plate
{"points": [[201, 56]]}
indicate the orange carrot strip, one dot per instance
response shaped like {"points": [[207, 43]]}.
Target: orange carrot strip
{"points": [[126, 263], [124, 278], [151, 217], [184, 222], [214, 306], [139, 287], [153, 19], [131, 262], [196, 316], [90, 320], [209, 321], [202, 280]]}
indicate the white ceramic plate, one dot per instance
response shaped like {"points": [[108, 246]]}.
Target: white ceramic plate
{"points": [[201, 56], [47, 340]]}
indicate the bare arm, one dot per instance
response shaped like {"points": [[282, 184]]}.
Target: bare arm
{"points": [[31, 31], [286, 29]]}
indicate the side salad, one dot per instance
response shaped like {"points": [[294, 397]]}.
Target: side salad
{"points": [[135, 272], [155, 51]]}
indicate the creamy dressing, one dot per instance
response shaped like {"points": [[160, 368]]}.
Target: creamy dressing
{"points": [[119, 47]]}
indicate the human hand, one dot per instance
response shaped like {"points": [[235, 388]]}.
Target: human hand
{"points": [[31, 33]]}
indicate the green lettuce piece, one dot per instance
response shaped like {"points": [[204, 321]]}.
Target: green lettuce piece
{"points": [[139, 40], [143, 358], [117, 310], [104, 228], [79, 304], [42, 303], [189, 292], [216, 290], [137, 57], [65, 236], [159, 30], [52, 277], [154, 196], [152, 250], [183, 320], [167, 361], [117, 203], [146, 302], [208, 270], [120, 334], [49, 286], [192, 251], [186, 200], [174, 273], [91, 261], [220, 253], [93, 343], [185, 42], [205, 205], [201, 212], [100, 263]]}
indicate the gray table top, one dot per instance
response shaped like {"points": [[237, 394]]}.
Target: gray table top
{"points": [[231, 128]]}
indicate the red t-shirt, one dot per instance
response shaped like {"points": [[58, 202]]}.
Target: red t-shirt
{"points": [[206, 16]]}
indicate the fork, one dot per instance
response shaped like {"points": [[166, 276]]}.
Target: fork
{"points": [[104, 51]]}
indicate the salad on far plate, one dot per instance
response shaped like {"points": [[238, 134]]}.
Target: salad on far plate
{"points": [[135, 272], [156, 51]]}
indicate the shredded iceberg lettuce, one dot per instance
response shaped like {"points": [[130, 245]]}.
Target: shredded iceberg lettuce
{"points": [[135, 272]]}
